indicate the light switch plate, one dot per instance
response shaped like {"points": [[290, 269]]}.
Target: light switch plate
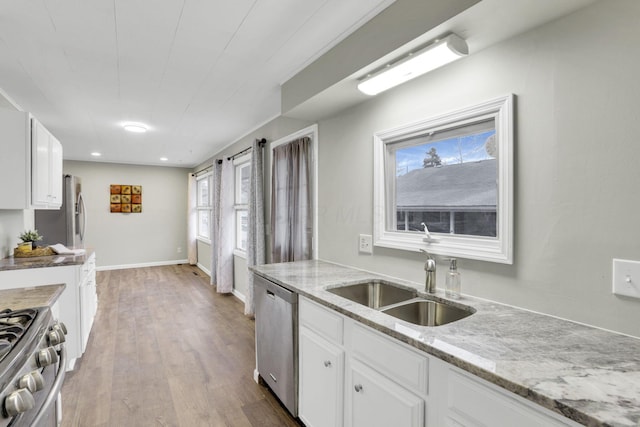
{"points": [[365, 242], [626, 278]]}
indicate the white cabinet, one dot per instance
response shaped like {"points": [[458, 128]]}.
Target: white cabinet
{"points": [[321, 366], [71, 307], [30, 164], [469, 401], [321, 373], [88, 300], [373, 400], [46, 167], [389, 383]]}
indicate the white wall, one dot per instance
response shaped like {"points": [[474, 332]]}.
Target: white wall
{"points": [[577, 201], [148, 238], [12, 223]]}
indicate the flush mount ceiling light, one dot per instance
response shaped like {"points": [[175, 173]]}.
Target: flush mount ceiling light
{"points": [[96, 154], [135, 127], [415, 64], [163, 159]]}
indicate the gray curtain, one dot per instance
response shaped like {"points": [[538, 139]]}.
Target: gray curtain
{"points": [[215, 218], [255, 237], [291, 222]]}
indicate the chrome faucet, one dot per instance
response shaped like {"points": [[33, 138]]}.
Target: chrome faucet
{"points": [[430, 269]]}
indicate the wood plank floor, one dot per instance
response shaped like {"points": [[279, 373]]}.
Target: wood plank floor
{"points": [[167, 350]]}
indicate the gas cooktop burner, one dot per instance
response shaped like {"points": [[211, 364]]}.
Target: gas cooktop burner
{"points": [[13, 324]]}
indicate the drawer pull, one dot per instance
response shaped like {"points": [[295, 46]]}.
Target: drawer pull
{"points": [[358, 388], [327, 363]]}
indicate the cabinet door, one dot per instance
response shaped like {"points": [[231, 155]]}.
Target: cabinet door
{"points": [[40, 165], [321, 374], [55, 172], [374, 400]]}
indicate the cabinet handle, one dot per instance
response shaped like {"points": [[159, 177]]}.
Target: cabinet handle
{"points": [[358, 388], [327, 363]]}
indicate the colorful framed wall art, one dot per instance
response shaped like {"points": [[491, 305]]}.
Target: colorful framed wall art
{"points": [[124, 198]]}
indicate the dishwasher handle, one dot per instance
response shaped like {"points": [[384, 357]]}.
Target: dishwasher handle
{"points": [[274, 290]]}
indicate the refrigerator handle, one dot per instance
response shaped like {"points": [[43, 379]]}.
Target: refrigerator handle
{"points": [[83, 211]]}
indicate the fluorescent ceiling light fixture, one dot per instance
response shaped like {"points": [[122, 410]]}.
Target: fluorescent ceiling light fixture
{"points": [[96, 154], [435, 55], [135, 127]]}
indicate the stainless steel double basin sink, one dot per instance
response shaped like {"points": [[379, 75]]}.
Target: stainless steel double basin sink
{"points": [[402, 303]]}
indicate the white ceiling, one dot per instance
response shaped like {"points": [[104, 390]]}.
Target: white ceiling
{"points": [[199, 73]]}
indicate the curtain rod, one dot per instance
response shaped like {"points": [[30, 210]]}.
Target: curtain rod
{"points": [[201, 171], [261, 142]]}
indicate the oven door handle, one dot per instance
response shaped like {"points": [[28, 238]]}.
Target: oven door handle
{"points": [[55, 389]]}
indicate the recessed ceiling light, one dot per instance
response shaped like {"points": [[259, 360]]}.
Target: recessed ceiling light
{"points": [[96, 154], [163, 159], [135, 127]]}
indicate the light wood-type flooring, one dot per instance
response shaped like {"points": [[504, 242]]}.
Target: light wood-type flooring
{"points": [[167, 350]]}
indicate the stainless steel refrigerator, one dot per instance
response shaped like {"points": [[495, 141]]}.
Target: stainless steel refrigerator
{"points": [[66, 225]]}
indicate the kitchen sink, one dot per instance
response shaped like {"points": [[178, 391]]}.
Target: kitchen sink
{"points": [[374, 294], [428, 313]]}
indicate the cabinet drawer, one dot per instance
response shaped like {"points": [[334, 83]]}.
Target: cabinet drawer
{"points": [[321, 320], [406, 366], [471, 402]]}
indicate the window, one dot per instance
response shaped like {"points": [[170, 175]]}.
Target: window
{"points": [[241, 204], [203, 188], [452, 174]]}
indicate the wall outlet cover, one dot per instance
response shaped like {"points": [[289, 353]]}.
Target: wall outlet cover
{"points": [[365, 243], [626, 278]]}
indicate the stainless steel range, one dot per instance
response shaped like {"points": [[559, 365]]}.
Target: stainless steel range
{"points": [[32, 367]]}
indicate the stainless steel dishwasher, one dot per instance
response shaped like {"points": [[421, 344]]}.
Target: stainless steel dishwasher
{"points": [[277, 340]]}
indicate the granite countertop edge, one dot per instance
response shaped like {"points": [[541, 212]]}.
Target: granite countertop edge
{"points": [[516, 349], [30, 297], [12, 263]]}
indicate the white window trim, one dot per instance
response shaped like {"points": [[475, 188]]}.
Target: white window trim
{"points": [[311, 132], [199, 208], [246, 158], [498, 249]]}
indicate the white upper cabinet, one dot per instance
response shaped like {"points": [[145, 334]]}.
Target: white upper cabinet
{"points": [[46, 168], [30, 164]]}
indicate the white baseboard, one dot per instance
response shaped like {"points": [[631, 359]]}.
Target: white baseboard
{"points": [[141, 265], [256, 376], [204, 269], [239, 295]]}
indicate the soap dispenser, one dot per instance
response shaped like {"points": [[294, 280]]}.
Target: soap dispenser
{"points": [[452, 282]]}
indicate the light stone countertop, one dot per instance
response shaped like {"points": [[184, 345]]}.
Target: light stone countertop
{"points": [[11, 263], [30, 297], [589, 375]]}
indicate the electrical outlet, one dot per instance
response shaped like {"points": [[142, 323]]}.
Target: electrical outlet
{"points": [[179, 249], [365, 242], [626, 278]]}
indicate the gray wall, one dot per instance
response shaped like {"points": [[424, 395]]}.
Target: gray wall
{"points": [[149, 238], [576, 175]]}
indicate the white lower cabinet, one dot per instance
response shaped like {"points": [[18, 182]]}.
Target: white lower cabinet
{"points": [[76, 305], [388, 383], [88, 300], [469, 401], [321, 376], [375, 401]]}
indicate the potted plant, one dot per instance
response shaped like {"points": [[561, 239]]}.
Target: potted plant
{"points": [[29, 239]]}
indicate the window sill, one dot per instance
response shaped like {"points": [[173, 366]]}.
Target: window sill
{"points": [[240, 254], [203, 240]]}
